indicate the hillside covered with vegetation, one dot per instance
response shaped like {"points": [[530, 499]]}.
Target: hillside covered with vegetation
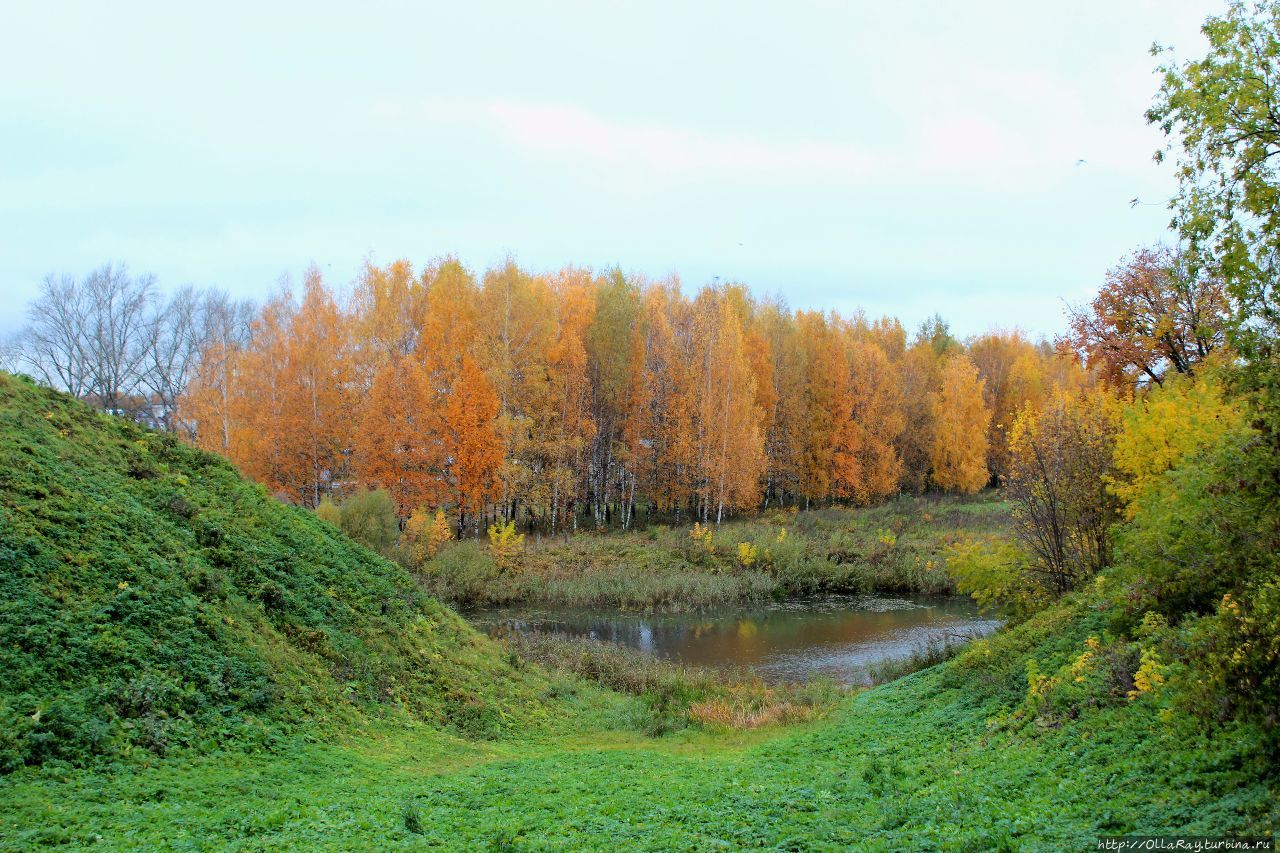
{"points": [[172, 634], [154, 600]]}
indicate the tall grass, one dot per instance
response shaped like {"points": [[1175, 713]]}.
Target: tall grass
{"points": [[674, 695], [930, 652], [898, 547]]}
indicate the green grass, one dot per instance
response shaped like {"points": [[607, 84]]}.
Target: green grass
{"points": [[189, 664], [927, 762], [897, 547]]}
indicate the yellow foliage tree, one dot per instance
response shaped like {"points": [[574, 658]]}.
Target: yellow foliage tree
{"points": [[505, 544], [1012, 376], [1184, 416], [959, 451], [867, 465], [731, 441]]}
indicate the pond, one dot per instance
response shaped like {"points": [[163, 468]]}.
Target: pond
{"points": [[838, 636]]}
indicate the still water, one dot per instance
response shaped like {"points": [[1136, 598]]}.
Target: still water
{"points": [[837, 636]]}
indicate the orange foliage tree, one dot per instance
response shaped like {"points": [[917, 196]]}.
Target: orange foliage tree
{"points": [[1155, 314], [474, 446], [399, 445], [547, 399]]}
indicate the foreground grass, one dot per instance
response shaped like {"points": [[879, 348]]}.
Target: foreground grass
{"points": [[895, 547], [931, 761]]}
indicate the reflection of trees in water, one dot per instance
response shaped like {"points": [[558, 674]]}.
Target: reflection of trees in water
{"points": [[795, 641]]}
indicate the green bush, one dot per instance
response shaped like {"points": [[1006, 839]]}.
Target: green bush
{"points": [[465, 573], [999, 576], [1200, 553], [1193, 538], [369, 517], [1236, 654]]}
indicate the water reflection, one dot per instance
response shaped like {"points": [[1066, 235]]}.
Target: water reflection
{"points": [[834, 635]]}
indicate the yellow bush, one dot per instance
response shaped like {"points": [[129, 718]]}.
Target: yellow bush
{"points": [[1149, 676], [998, 574], [747, 554], [702, 535], [425, 534], [1171, 423], [505, 544]]}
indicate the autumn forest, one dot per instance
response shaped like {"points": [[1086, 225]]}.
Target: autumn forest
{"points": [[542, 398]]}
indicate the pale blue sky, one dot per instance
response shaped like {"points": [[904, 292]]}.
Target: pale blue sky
{"points": [[905, 158]]}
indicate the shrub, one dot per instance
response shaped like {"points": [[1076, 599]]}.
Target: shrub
{"points": [[1103, 672], [930, 652], [1237, 651], [999, 575], [329, 511], [1193, 538], [369, 517], [676, 695], [463, 573], [412, 818], [1183, 418], [424, 535], [1060, 458], [703, 537], [505, 544]]}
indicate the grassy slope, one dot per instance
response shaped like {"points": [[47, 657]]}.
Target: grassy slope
{"points": [[152, 600]]}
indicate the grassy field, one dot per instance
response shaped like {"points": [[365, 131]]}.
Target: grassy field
{"points": [[932, 761], [896, 547], [189, 664]]}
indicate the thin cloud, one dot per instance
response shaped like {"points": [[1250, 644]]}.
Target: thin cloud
{"points": [[571, 133], [574, 132]]}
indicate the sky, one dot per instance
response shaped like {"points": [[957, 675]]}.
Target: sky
{"points": [[975, 159]]}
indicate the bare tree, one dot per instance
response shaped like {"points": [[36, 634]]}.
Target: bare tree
{"points": [[175, 337], [112, 339], [54, 345], [223, 327], [117, 333]]}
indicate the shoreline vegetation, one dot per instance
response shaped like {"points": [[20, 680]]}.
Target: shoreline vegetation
{"points": [[897, 547], [674, 695]]}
